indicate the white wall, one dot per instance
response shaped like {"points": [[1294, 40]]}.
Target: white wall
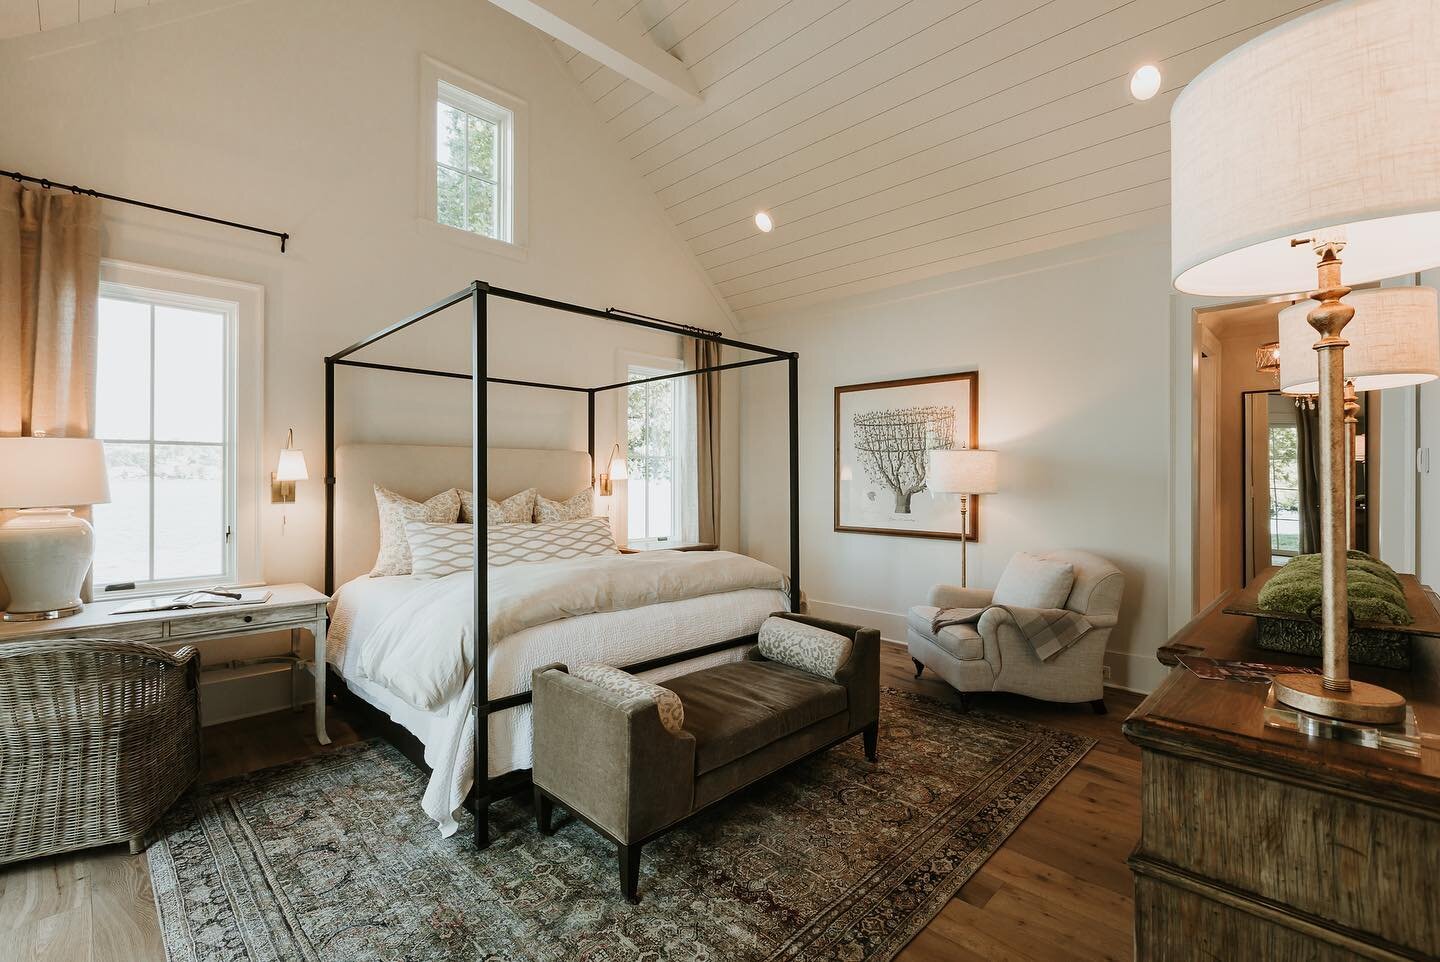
{"points": [[1073, 349], [301, 115]]}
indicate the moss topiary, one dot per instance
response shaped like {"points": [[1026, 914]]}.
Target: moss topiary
{"points": [[1374, 596]]}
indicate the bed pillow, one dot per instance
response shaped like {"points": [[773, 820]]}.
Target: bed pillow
{"points": [[535, 543], [581, 505], [395, 510], [516, 509], [437, 550], [803, 646], [672, 709], [1030, 581]]}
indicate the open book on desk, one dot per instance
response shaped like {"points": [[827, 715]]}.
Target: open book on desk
{"points": [[208, 598]]}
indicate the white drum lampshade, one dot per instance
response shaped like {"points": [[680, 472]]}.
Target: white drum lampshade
{"points": [[1394, 341], [966, 471], [45, 551], [1329, 121]]}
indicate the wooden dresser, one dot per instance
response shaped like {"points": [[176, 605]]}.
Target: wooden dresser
{"points": [[1263, 844]]}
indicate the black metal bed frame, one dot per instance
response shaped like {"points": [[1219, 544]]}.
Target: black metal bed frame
{"points": [[478, 293]]}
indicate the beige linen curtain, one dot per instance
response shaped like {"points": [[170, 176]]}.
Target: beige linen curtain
{"points": [[707, 439], [49, 296]]}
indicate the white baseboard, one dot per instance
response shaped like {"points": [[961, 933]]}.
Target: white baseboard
{"points": [[1128, 671]]}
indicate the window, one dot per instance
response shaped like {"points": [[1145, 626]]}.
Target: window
{"points": [[473, 152], [1284, 492], [168, 408], [653, 453]]}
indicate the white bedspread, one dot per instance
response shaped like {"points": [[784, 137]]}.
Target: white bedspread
{"points": [[416, 655]]}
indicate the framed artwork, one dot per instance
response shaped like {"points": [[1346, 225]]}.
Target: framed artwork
{"points": [[884, 432]]}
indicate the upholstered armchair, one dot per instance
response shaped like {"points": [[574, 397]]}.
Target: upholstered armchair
{"points": [[993, 655]]}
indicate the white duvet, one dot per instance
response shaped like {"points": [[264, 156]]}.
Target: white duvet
{"points": [[613, 609]]}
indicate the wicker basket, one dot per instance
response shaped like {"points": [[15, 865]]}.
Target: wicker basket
{"points": [[97, 739]]}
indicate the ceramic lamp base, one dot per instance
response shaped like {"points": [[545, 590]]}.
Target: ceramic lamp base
{"points": [[45, 554], [1364, 703]]}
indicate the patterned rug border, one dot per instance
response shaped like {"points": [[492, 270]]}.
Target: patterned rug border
{"points": [[838, 918]]}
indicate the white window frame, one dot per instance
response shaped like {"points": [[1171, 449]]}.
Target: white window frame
{"points": [[442, 83], [662, 364], [243, 305]]}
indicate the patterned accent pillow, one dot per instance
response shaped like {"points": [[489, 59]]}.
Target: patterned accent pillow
{"points": [[467, 506], [437, 550], [395, 510], [516, 509], [581, 505], [532, 543], [672, 709], [803, 646]]}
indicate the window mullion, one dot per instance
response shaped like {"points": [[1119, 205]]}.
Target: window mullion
{"points": [[150, 484]]}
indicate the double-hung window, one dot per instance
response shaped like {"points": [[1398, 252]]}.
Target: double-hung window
{"points": [[473, 158], [655, 447], [169, 408]]}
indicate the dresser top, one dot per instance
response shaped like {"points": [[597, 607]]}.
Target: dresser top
{"points": [[1223, 721], [97, 616]]}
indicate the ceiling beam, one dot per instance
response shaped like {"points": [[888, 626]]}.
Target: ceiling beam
{"points": [[610, 42]]}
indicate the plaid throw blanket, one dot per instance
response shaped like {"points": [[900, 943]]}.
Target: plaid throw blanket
{"points": [[1049, 630]]}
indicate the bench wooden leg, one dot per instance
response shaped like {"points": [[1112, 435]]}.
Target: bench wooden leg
{"points": [[872, 738], [919, 667], [629, 872], [544, 810]]}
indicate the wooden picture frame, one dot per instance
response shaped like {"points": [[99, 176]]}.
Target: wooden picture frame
{"points": [[941, 410]]}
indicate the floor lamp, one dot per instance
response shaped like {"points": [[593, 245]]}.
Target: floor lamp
{"points": [[1318, 138], [966, 472]]}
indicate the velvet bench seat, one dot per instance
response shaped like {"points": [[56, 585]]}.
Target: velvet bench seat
{"points": [[609, 759]]}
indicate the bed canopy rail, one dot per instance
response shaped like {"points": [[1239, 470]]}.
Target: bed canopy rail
{"points": [[478, 294]]}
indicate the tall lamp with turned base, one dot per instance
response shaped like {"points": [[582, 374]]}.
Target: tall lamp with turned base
{"points": [[45, 550], [1316, 139], [966, 472]]}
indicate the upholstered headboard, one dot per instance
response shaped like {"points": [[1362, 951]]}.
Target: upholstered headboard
{"points": [[419, 471]]}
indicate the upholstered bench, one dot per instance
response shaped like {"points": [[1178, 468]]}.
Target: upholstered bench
{"points": [[634, 759]]}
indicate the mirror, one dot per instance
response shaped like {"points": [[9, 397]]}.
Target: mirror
{"points": [[1282, 472]]}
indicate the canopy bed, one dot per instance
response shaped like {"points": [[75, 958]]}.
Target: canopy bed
{"points": [[679, 608]]}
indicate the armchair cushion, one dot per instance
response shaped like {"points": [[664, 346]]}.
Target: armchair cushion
{"points": [[1030, 581], [669, 704], [961, 641], [804, 646]]}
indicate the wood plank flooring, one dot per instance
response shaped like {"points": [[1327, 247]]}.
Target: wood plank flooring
{"points": [[1057, 890]]}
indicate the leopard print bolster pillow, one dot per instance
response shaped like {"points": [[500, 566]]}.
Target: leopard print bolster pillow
{"points": [[803, 646], [672, 709]]}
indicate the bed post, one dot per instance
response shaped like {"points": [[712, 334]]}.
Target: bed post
{"points": [[590, 411], [794, 370], [479, 442], [329, 479]]}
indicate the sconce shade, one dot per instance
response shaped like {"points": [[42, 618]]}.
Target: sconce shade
{"points": [[1394, 341], [1330, 120], [52, 472], [291, 466], [617, 470], [968, 471]]}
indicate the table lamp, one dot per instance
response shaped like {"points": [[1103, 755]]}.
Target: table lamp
{"points": [[966, 472], [45, 551], [1319, 137]]}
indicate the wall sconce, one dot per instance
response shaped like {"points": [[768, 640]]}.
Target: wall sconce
{"points": [[614, 471], [290, 469]]}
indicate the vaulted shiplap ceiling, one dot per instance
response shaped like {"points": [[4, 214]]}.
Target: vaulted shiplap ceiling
{"points": [[32, 16], [894, 140]]}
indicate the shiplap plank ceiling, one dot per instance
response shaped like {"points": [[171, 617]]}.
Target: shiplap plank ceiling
{"points": [[32, 16], [894, 140]]}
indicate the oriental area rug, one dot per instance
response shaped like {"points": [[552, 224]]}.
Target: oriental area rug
{"points": [[331, 859]]}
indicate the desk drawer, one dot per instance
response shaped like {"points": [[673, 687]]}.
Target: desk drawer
{"points": [[241, 620], [147, 631]]}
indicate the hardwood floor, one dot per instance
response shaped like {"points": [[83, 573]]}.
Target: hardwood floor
{"points": [[1058, 888]]}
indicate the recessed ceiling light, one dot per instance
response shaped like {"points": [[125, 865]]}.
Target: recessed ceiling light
{"points": [[763, 221], [1145, 82]]}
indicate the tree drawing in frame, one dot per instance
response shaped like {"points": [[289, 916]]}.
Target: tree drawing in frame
{"points": [[894, 446], [884, 433]]}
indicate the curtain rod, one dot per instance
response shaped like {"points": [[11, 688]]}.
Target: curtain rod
{"points": [[49, 184]]}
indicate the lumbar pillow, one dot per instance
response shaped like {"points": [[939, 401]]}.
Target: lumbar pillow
{"points": [[395, 510], [581, 505], [1030, 581], [532, 543], [516, 509], [437, 550], [803, 646], [672, 709]]}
